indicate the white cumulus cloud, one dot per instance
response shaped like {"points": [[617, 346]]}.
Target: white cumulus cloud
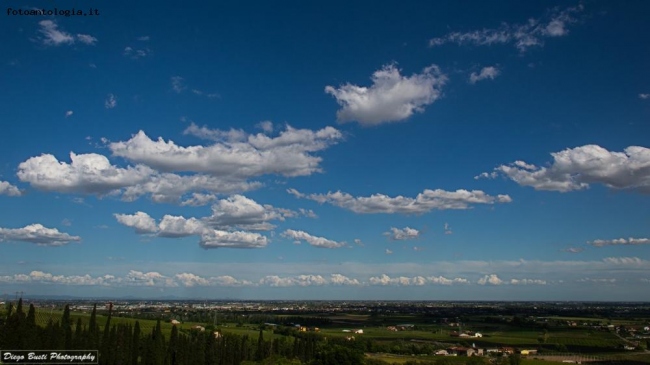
{"points": [[87, 173], [140, 221], [401, 234], [391, 97], [178, 226], [578, 168], [8, 189], [37, 234], [236, 239], [491, 279], [289, 154], [312, 240], [245, 213]]}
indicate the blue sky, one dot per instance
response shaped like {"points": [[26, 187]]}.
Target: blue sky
{"points": [[392, 150]]}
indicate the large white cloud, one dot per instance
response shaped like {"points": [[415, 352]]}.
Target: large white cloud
{"points": [[401, 234], [522, 36], [620, 241], [289, 154], [240, 211], [38, 234], [236, 239], [178, 226], [140, 221], [87, 173], [577, 168], [94, 174], [424, 202], [391, 97], [315, 241], [8, 189]]}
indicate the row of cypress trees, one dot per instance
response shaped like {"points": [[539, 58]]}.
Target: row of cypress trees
{"points": [[127, 344]]}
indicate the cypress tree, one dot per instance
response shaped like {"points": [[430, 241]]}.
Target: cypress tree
{"points": [[259, 355], [172, 348], [135, 347], [93, 329], [67, 328], [105, 347]]}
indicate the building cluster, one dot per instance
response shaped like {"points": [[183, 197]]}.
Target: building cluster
{"points": [[475, 351]]}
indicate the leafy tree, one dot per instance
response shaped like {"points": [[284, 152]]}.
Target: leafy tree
{"points": [[338, 355]]}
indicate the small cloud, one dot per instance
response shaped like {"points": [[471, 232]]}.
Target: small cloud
{"points": [[406, 233], [416, 248], [448, 229], [389, 252], [86, 39], [136, 53], [573, 249], [110, 102], [644, 96], [8, 189], [178, 84], [143, 38], [358, 242], [52, 35], [320, 242], [491, 279], [78, 200], [66, 222], [490, 72], [69, 113], [92, 65], [266, 126]]}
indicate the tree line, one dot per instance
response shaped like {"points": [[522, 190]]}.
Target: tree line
{"points": [[127, 344]]}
